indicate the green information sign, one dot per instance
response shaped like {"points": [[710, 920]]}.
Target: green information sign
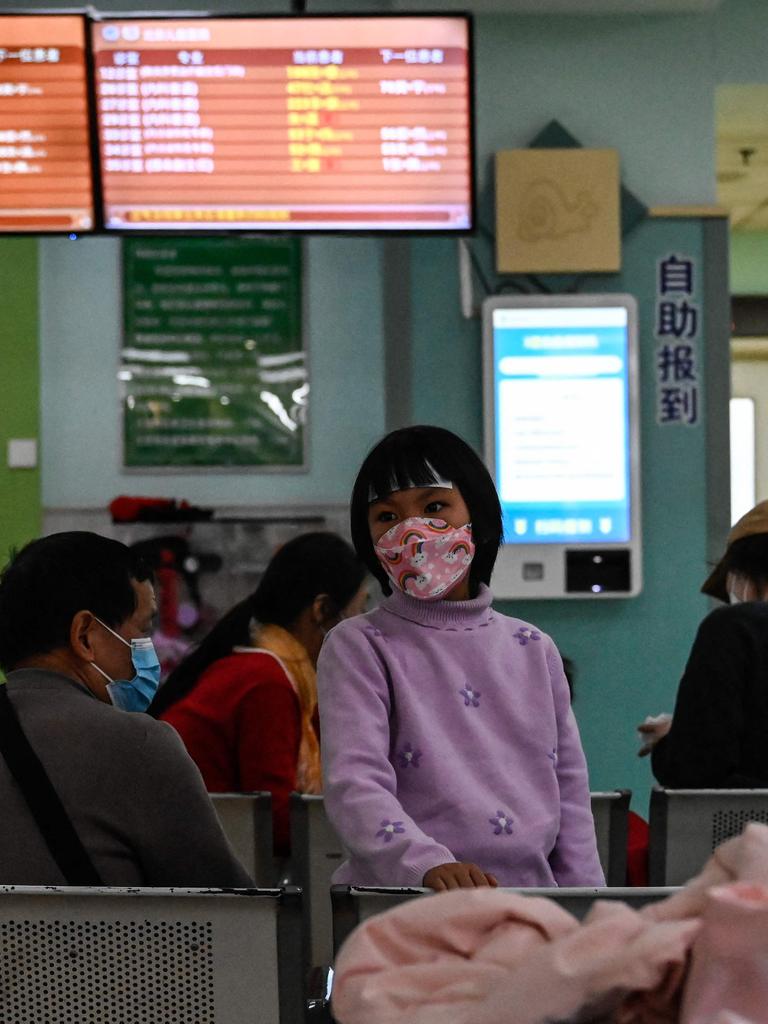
{"points": [[213, 369]]}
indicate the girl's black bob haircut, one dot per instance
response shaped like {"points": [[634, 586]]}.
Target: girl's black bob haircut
{"points": [[421, 457]]}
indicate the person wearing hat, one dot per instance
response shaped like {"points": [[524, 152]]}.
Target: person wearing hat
{"points": [[718, 734]]}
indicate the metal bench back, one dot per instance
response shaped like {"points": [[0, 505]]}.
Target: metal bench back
{"points": [[354, 904], [180, 956], [610, 811], [316, 852], [247, 822], [686, 825]]}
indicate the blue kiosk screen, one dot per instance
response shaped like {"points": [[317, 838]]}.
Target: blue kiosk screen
{"points": [[562, 432]]}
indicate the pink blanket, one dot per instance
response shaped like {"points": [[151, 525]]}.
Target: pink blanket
{"points": [[485, 956]]}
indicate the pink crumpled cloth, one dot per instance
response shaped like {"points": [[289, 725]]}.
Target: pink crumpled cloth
{"points": [[484, 956], [729, 970]]}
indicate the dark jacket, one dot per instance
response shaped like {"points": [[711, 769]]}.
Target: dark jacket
{"points": [[719, 734]]}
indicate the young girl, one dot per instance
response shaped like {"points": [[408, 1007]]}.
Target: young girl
{"points": [[450, 754]]}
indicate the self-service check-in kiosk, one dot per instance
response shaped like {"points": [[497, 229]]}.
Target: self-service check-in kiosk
{"points": [[562, 441]]}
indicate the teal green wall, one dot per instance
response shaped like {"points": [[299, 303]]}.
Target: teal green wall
{"points": [[20, 509], [642, 84]]}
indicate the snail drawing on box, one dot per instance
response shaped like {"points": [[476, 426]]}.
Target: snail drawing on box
{"points": [[546, 212]]}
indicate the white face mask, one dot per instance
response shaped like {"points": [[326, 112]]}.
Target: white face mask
{"points": [[740, 588]]}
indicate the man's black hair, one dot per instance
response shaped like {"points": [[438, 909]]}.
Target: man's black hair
{"points": [[51, 579], [423, 456]]}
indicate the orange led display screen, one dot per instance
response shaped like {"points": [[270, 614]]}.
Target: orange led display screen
{"points": [[310, 123], [45, 161]]}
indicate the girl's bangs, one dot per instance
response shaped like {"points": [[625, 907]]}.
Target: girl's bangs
{"points": [[402, 470]]}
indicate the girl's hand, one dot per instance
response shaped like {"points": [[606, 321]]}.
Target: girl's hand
{"points": [[457, 876], [654, 728]]}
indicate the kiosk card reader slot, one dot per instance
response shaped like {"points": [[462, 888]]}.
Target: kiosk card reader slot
{"points": [[562, 441]]}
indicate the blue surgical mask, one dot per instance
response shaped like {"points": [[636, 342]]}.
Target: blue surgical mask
{"points": [[134, 694]]}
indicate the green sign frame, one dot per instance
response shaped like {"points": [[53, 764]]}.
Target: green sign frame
{"points": [[213, 368]]}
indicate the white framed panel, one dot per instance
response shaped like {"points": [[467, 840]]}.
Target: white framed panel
{"points": [[562, 443]]}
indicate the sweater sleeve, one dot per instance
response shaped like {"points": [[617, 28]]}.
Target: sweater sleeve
{"points": [[268, 738], [702, 748], [177, 835], [574, 860], [360, 785]]}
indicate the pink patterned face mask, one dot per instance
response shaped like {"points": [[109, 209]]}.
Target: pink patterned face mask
{"points": [[425, 558]]}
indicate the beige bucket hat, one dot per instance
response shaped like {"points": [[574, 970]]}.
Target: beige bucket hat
{"points": [[752, 522]]}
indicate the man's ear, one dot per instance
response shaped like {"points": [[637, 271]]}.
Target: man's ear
{"points": [[80, 629]]}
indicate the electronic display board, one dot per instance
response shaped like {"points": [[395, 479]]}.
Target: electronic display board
{"points": [[562, 437], [293, 123], [45, 161]]}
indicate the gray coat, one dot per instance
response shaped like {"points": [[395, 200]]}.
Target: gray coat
{"points": [[133, 794]]}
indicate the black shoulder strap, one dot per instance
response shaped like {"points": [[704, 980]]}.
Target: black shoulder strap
{"points": [[43, 800]]}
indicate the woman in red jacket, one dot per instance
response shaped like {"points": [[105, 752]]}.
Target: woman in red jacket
{"points": [[245, 700]]}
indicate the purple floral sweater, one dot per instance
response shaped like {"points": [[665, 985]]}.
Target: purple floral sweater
{"points": [[447, 734]]}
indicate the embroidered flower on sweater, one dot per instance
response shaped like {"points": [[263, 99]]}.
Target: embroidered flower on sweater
{"points": [[502, 823], [408, 757], [471, 697], [388, 829], [524, 635]]}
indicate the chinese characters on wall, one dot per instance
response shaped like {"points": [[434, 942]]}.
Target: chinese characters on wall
{"points": [[676, 331]]}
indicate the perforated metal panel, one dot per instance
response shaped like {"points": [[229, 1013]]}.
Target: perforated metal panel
{"points": [[88, 972], [149, 956], [687, 825], [731, 823]]}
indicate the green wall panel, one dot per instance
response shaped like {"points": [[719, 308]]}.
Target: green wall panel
{"points": [[20, 513]]}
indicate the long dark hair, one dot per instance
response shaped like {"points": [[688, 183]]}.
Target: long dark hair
{"points": [[305, 567], [420, 456]]}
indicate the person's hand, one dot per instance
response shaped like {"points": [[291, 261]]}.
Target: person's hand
{"points": [[457, 876], [654, 728]]}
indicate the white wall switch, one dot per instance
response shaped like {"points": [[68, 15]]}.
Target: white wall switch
{"points": [[22, 453]]}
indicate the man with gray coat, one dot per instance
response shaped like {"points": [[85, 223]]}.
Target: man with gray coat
{"points": [[76, 611]]}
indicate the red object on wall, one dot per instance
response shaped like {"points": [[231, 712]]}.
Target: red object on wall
{"points": [[128, 509]]}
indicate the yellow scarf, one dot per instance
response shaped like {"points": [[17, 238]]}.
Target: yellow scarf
{"points": [[303, 678]]}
